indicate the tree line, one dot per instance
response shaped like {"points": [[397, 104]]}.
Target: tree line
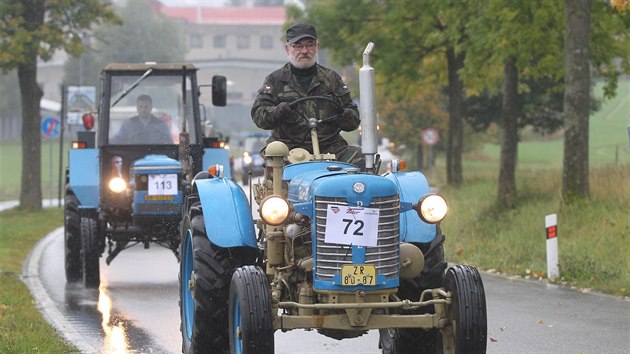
{"points": [[457, 64]]}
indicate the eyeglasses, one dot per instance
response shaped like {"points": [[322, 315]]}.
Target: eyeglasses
{"points": [[300, 46]]}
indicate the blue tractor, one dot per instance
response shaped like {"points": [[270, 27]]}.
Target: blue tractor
{"points": [[331, 248], [126, 182]]}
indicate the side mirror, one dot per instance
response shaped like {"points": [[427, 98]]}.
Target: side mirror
{"points": [[219, 90]]}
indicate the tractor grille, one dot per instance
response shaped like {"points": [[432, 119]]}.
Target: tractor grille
{"points": [[385, 256]]}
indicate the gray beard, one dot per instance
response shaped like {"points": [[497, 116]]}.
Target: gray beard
{"points": [[298, 65]]}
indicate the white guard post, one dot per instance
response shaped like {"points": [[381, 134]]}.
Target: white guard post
{"points": [[551, 224]]}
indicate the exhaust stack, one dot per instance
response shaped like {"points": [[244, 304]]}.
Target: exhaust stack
{"points": [[367, 93]]}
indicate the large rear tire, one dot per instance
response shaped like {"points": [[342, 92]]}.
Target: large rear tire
{"points": [[205, 275], [90, 252], [467, 312], [72, 238], [251, 320], [418, 340]]}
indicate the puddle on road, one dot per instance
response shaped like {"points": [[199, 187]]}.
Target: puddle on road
{"points": [[115, 340]]}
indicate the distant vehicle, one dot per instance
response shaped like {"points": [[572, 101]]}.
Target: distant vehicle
{"points": [[119, 194], [252, 162]]}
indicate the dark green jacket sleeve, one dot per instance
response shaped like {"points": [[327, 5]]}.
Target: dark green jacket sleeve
{"points": [[264, 104]]}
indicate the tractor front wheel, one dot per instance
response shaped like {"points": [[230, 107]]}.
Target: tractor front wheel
{"points": [[90, 252], [467, 332], [72, 238], [251, 320]]}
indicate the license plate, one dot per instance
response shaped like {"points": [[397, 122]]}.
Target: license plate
{"points": [[163, 184], [358, 274], [158, 197]]}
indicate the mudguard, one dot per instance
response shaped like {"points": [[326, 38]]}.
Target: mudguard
{"points": [[217, 156], [412, 186], [83, 170], [226, 213]]}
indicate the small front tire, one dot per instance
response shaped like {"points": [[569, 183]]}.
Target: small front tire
{"points": [[251, 320], [90, 252], [467, 332], [72, 238]]}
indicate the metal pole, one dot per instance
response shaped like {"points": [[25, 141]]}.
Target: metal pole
{"points": [[62, 122]]}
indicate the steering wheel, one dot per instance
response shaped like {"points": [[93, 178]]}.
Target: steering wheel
{"points": [[318, 119], [150, 135]]}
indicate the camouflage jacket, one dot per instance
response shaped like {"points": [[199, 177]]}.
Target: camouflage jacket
{"points": [[282, 85]]}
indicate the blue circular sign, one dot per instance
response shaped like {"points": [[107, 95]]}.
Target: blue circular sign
{"points": [[50, 127]]}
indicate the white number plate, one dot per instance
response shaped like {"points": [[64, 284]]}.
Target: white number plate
{"points": [[351, 225], [163, 184]]}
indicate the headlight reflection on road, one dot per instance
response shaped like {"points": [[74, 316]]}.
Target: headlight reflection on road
{"points": [[115, 340]]}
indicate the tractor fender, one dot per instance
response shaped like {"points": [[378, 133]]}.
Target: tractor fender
{"points": [[83, 176], [226, 213], [412, 186]]}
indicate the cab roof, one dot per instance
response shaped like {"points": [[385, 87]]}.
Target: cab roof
{"points": [[147, 66]]}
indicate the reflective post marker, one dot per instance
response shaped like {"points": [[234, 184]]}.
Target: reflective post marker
{"points": [[551, 224]]}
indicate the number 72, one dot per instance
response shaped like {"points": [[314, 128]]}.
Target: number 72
{"points": [[358, 226]]}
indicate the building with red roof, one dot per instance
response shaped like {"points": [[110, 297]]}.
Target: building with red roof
{"points": [[244, 44]]}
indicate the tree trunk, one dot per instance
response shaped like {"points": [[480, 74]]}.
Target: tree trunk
{"points": [[455, 140], [31, 95], [509, 136], [576, 100]]}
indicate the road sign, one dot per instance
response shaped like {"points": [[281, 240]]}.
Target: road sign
{"points": [[50, 127], [430, 136]]}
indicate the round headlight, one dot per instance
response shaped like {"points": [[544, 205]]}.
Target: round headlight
{"points": [[432, 208], [274, 210], [117, 185]]}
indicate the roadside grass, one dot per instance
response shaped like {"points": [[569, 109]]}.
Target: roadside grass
{"points": [[593, 237], [23, 329]]}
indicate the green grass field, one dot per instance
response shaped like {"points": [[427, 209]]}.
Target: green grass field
{"points": [[11, 169]]}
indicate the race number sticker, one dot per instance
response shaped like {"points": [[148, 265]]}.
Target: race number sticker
{"points": [[351, 225], [163, 184]]}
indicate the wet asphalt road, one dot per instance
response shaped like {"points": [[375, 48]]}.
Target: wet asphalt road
{"points": [[136, 310]]}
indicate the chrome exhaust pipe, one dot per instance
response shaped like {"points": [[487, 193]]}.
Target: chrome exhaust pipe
{"points": [[367, 93]]}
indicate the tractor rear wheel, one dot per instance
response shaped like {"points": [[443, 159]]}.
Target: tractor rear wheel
{"points": [[205, 275], [250, 313]]}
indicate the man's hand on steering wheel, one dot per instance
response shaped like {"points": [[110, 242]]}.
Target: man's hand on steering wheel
{"points": [[318, 118], [284, 113]]}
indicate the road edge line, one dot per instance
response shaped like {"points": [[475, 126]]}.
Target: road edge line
{"points": [[43, 302]]}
